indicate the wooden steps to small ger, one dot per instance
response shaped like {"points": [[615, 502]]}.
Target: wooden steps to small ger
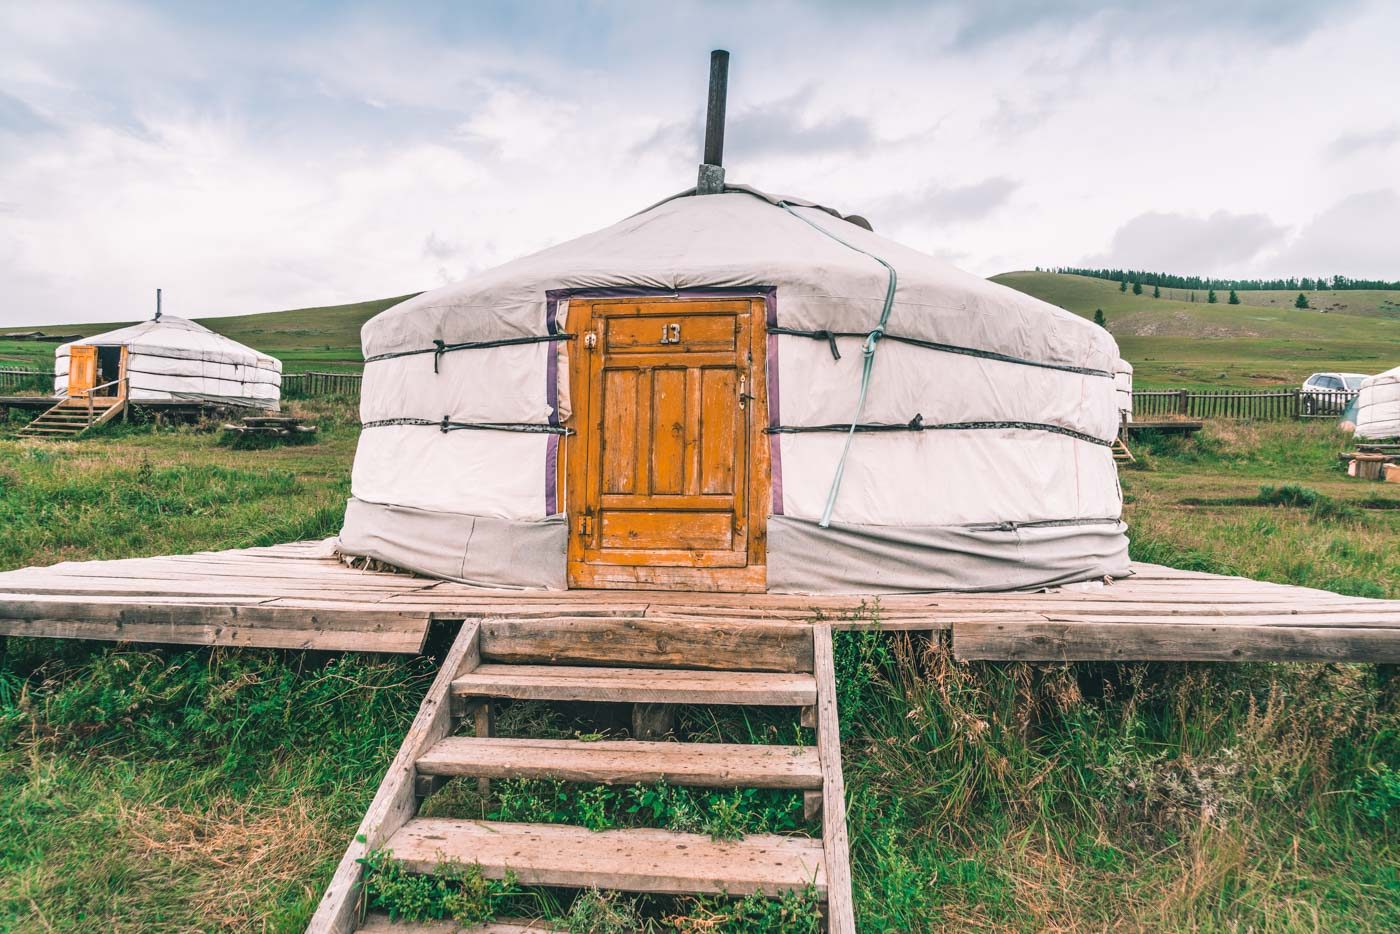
{"points": [[612, 762], [656, 861], [71, 417]]}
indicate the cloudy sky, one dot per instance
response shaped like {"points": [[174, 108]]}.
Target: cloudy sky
{"points": [[255, 156]]}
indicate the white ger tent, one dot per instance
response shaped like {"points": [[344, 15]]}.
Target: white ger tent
{"points": [[1378, 407], [1123, 385], [737, 391], [168, 358]]}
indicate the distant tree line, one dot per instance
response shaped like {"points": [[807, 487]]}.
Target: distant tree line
{"points": [[1140, 277]]}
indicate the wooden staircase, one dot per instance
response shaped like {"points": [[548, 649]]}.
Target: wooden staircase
{"points": [[651, 664], [1121, 454], [73, 416]]}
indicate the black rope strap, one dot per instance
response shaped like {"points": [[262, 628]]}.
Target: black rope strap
{"points": [[1040, 524], [917, 424], [446, 424], [441, 347], [830, 338]]}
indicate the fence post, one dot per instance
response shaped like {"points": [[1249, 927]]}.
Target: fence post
{"points": [[1297, 404]]}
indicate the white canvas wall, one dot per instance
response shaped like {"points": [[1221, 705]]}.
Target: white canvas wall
{"points": [[1378, 407]]}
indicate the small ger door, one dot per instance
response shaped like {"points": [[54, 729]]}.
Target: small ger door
{"points": [[82, 369], [668, 471]]}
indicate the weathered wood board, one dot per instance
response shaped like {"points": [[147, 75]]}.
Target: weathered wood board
{"points": [[301, 595]]}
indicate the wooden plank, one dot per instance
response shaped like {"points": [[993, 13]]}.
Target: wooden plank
{"points": [[711, 765], [840, 903], [394, 803], [657, 861], [644, 643], [1161, 641], [214, 624], [637, 685], [378, 923], [1313, 619]]}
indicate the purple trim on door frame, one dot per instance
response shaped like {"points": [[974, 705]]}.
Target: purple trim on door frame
{"points": [[775, 447], [553, 297], [551, 393]]}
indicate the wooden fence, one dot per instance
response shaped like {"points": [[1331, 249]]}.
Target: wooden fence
{"points": [[1262, 404], [321, 384], [19, 378]]}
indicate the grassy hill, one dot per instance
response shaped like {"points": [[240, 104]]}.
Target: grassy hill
{"points": [[1263, 341], [326, 338], [1171, 341]]}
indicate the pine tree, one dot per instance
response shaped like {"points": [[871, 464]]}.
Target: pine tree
{"points": [[1302, 301], [1234, 299], [1156, 291], [1210, 297], [1099, 319], [1122, 285], [1137, 288]]}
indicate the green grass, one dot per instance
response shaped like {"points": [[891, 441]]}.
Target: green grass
{"points": [[1264, 341], [155, 788]]}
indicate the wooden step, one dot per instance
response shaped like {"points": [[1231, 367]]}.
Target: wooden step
{"points": [[723, 645], [380, 924], [659, 861], [637, 685], [613, 762]]}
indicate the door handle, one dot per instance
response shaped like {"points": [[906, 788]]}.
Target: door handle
{"points": [[744, 396]]}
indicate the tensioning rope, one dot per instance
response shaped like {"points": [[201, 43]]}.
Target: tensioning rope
{"points": [[441, 347], [831, 336], [872, 340], [917, 424], [447, 424]]}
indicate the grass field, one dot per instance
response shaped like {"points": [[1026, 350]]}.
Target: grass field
{"points": [[148, 788], [1264, 341]]}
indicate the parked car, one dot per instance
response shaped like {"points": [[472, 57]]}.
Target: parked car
{"points": [[1330, 393]]}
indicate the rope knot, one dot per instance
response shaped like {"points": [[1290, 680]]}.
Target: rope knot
{"points": [[441, 346]]}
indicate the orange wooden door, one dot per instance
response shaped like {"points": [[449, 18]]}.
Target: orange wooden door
{"points": [[668, 471], [82, 368]]}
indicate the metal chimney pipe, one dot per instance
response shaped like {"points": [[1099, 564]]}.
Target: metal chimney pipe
{"points": [[711, 179], [157, 304]]}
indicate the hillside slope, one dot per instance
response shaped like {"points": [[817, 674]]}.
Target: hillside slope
{"points": [[1172, 342], [302, 338]]}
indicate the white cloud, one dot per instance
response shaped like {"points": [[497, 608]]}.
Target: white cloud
{"points": [[270, 158], [1357, 237], [1210, 245]]}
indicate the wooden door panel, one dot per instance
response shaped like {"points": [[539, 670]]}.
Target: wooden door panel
{"points": [[669, 430], [619, 443], [668, 530], [82, 369], [667, 334], [719, 435], [667, 476]]}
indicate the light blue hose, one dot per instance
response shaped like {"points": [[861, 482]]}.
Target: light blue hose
{"points": [[867, 364]]}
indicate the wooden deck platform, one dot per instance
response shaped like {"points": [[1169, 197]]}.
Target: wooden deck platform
{"points": [[301, 595]]}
